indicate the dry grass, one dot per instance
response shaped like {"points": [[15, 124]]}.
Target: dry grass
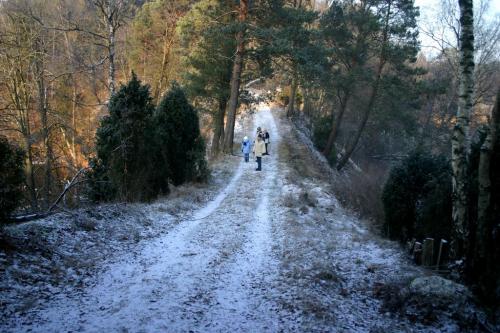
{"points": [[363, 191], [359, 191]]}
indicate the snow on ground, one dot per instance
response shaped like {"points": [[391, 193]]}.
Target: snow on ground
{"points": [[273, 251]]}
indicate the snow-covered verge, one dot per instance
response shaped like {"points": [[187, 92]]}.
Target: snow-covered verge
{"points": [[353, 277], [44, 258], [356, 189]]}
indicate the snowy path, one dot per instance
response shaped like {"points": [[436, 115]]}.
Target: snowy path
{"points": [[272, 252], [197, 276]]}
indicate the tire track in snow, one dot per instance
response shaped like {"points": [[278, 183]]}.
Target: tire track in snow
{"points": [[214, 204], [241, 293], [191, 278]]}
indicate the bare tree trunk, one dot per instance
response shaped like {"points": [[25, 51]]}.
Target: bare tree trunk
{"points": [[218, 138], [113, 13], [235, 79], [167, 46], [484, 182], [42, 110], [30, 174], [111, 55], [74, 104], [290, 109], [73, 124], [350, 149], [336, 122], [460, 138]]}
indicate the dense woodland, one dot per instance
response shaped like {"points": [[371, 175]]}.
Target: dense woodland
{"points": [[118, 100]]}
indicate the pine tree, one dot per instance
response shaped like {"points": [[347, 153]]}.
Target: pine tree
{"points": [[206, 34], [236, 76], [368, 41]]}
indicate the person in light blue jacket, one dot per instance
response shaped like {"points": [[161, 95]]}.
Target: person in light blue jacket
{"points": [[246, 148]]}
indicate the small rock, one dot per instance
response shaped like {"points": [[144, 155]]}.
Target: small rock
{"points": [[438, 287]]}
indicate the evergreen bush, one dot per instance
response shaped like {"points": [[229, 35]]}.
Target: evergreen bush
{"points": [[417, 198], [141, 151], [11, 178], [321, 131], [121, 145], [100, 186], [181, 147]]}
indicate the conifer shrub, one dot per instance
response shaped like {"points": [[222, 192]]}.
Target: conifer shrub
{"points": [[321, 131], [417, 198], [11, 178], [140, 150], [120, 170], [181, 147], [101, 188]]}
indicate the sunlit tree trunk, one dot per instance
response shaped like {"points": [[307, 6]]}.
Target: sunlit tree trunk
{"points": [[236, 78], [164, 62], [111, 55], [290, 110], [460, 138], [42, 105], [113, 13], [218, 138]]}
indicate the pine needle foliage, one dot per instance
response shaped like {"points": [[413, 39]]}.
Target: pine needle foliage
{"points": [[177, 135]]}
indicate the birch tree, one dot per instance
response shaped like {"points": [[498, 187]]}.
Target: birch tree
{"points": [[460, 138], [113, 14]]}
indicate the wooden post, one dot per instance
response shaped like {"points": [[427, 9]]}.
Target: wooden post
{"points": [[428, 252], [442, 244], [411, 245], [417, 253]]}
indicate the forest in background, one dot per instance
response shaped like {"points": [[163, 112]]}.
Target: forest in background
{"points": [[350, 72]]}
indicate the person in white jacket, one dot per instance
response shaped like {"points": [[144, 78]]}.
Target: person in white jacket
{"points": [[259, 149]]}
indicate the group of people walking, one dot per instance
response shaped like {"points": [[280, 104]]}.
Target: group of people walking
{"points": [[260, 147]]}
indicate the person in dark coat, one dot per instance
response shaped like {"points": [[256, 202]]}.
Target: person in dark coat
{"points": [[265, 136]]}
